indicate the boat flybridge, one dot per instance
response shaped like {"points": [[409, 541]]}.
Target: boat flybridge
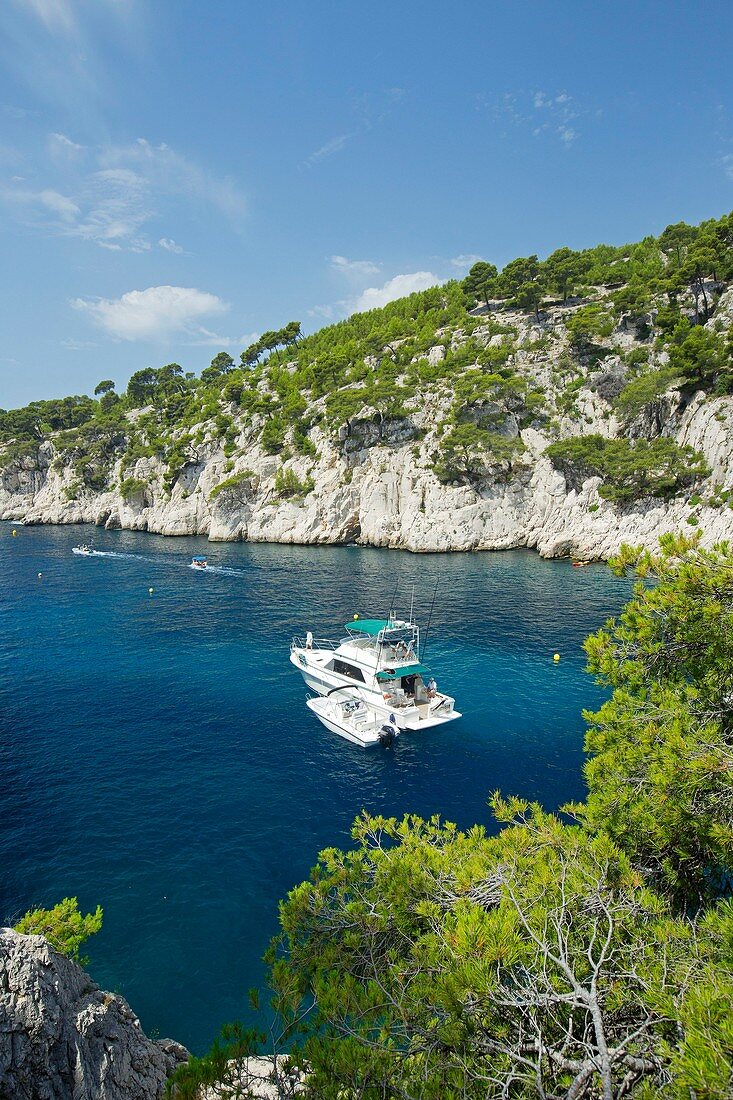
{"points": [[378, 662]]}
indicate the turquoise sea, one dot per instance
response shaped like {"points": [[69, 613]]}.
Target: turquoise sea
{"points": [[157, 757]]}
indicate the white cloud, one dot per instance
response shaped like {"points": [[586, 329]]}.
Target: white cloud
{"points": [[60, 144], [323, 313], [170, 245], [401, 285], [207, 339], [544, 113], [354, 267], [327, 150], [170, 172], [157, 313], [56, 15], [465, 261], [110, 194], [59, 204]]}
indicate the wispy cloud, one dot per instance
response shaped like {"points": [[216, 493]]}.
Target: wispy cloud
{"points": [[56, 15], [550, 114], [327, 150], [108, 195], [207, 339], [368, 110], [464, 261], [52, 47], [61, 144], [558, 111], [397, 287], [326, 313], [158, 313], [361, 268], [172, 172]]}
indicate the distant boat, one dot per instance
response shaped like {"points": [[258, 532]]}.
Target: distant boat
{"points": [[199, 562], [354, 720], [83, 549]]}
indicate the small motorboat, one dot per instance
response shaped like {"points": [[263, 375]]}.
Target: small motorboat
{"points": [[581, 564], [354, 720], [83, 549], [199, 562]]}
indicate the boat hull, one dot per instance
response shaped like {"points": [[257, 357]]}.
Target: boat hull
{"points": [[323, 681], [364, 740]]}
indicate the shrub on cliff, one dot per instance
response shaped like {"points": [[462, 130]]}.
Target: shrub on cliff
{"points": [[469, 452], [630, 469], [64, 926]]}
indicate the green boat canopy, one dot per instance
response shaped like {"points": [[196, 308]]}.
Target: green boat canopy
{"points": [[398, 673], [368, 626]]}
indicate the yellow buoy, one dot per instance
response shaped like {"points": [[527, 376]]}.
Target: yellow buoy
{"points": [[556, 656], [355, 617], [14, 533]]}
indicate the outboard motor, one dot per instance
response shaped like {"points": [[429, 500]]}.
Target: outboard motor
{"points": [[388, 734]]}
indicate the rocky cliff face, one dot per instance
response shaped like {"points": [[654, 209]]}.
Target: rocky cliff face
{"points": [[62, 1038], [374, 483]]}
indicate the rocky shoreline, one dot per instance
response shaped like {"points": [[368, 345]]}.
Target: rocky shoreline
{"points": [[374, 482], [388, 496]]}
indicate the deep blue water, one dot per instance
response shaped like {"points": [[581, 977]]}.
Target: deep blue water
{"points": [[157, 757]]}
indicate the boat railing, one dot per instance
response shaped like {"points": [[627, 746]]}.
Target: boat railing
{"points": [[313, 643]]}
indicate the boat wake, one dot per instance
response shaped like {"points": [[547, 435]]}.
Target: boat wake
{"points": [[222, 570]]}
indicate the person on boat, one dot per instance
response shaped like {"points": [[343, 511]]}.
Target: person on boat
{"points": [[309, 640], [432, 688], [400, 650], [421, 695]]}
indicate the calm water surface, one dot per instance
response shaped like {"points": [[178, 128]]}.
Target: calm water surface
{"points": [[157, 757]]}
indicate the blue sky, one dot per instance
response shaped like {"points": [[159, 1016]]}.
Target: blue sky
{"points": [[177, 176]]}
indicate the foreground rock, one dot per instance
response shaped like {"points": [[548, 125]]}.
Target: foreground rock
{"points": [[62, 1037]]}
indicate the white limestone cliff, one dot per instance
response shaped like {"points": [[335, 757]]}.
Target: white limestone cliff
{"points": [[383, 491]]}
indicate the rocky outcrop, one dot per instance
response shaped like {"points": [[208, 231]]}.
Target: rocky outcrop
{"points": [[373, 482], [62, 1038]]}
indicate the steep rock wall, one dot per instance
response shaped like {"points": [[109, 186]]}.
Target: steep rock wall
{"points": [[388, 495], [62, 1038]]}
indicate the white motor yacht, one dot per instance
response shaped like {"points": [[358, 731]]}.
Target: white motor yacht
{"points": [[378, 660], [354, 720], [83, 549]]}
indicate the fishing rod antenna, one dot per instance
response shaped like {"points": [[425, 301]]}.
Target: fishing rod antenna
{"points": [[430, 619]]}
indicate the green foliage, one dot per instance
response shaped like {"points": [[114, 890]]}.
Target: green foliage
{"points": [[288, 484], [552, 959], [435, 963], [273, 435], [132, 487], [237, 481], [701, 358], [630, 469], [64, 926], [586, 325], [662, 747], [645, 390], [480, 283], [468, 452]]}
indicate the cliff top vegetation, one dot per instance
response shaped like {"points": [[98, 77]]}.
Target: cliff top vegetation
{"points": [[472, 363]]}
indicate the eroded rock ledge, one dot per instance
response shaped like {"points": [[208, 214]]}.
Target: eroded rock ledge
{"points": [[62, 1038]]}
